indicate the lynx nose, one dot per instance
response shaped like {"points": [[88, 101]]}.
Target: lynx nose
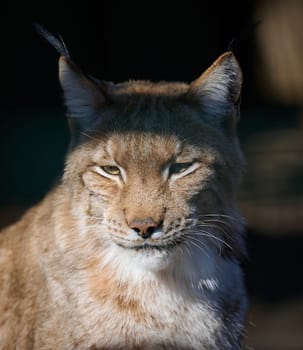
{"points": [[144, 228]]}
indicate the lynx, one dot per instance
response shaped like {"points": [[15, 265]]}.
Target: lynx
{"points": [[139, 245]]}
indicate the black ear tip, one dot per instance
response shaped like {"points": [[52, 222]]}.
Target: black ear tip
{"points": [[56, 42]]}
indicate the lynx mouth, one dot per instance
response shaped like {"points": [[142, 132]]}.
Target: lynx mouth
{"points": [[148, 246]]}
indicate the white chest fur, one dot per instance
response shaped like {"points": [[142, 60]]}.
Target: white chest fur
{"points": [[174, 308]]}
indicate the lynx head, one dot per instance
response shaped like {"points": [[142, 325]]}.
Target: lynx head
{"points": [[153, 166]]}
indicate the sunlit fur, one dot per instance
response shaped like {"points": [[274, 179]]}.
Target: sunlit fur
{"points": [[75, 275]]}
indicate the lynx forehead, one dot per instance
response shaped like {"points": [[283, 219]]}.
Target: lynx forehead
{"points": [[138, 246]]}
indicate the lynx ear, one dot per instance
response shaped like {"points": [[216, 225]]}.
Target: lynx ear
{"points": [[218, 88], [82, 96]]}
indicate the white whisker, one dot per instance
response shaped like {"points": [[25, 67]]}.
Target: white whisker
{"points": [[197, 243], [88, 136], [211, 236], [216, 227], [198, 246], [232, 218]]}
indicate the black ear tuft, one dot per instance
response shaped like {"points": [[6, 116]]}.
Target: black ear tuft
{"points": [[57, 43], [82, 96]]}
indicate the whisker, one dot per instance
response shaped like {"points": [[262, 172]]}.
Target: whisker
{"points": [[226, 223], [210, 236], [198, 246], [195, 241], [186, 247], [88, 136], [216, 227], [215, 238], [218, 215]]}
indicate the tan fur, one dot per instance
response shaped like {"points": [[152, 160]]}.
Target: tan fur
{"points": [[73, 274]]}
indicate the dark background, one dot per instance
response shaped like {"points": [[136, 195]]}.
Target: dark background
{"points": [[120, 40]]}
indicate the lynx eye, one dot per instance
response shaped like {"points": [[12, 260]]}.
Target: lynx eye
{"points": [[111, 169], [179, 168]]}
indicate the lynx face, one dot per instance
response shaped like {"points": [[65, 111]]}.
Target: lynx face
{"points": [[155, 162], [145, 191]]}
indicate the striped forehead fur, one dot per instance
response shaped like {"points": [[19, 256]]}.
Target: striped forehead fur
{"points": [[135, 88]]}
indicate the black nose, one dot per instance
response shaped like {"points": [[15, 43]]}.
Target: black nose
{"points": [[144, 227]]}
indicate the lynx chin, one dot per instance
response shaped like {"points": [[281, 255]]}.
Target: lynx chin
{"points": [[139, 245]]}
